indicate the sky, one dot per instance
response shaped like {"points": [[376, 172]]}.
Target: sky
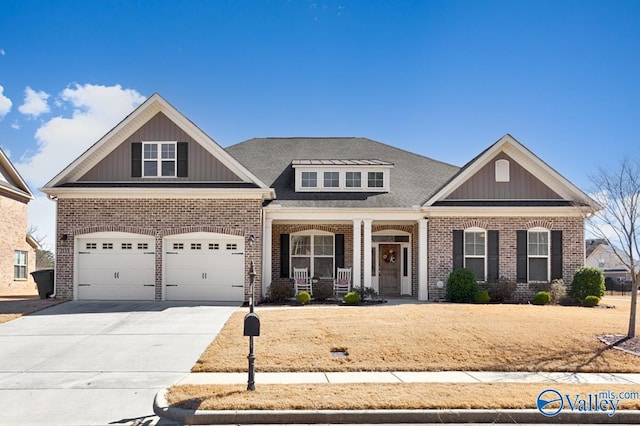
{"points": [[444, 79]]}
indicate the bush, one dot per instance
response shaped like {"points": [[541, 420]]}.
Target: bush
{"points": [[587, 281], [365, 292], [323, 291], [557, 291], [280, 292], [542, 298], [303, 297], [461, 285], [482, 296], [351, 298], [502, 290], [591, 301]]}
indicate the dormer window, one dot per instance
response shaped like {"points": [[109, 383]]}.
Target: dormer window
{"points": [[375, 179], [353, 179], [309, 180], [331, 180], [341, 175]]}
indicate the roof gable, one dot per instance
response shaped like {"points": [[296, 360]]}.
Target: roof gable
{"points": [[10, 180], [155, 120]]}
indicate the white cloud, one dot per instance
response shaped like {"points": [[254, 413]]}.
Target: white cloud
{"points": [[95, 110], [35, 103], [15, 125], [2, 52], [5, 104]]}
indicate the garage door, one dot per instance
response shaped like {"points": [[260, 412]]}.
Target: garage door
{"points": [[204, 266], [115, 266]]}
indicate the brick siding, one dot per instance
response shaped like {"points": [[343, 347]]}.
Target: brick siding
{"points": [[13, 233]]}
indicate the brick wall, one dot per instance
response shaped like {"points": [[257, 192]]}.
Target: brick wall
{"points": [[13, 233], [441, 248], [159, 218]]}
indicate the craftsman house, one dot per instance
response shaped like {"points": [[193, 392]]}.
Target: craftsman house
{"points": [[156, 210]]}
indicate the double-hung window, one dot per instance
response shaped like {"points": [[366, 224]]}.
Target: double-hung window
{"points": [[314, 252], [159, 159], [538, 255], [20, 265], [475, 250]]}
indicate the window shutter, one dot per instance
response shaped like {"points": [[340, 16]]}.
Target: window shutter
{"points": [[521, 256], [494, 256], [136, 159], [458, 249], [339, 250], [284, 255], [183, 159], [556, 254]]}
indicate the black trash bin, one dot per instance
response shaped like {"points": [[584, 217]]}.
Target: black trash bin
{"points": [[44, 281]]}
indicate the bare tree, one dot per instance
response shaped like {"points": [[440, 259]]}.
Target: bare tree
{"points": [[618, 192]]}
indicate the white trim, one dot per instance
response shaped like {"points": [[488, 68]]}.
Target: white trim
{"points": [[342, 179], [502, 170], [475, 230], [367, 252], [267, 246], [423, 259], [539, 229], [159, 160], [357, 254], [506, 211], [312, 233], [24, 191], [163, 193]]}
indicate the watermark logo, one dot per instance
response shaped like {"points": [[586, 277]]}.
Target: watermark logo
{"points": [[551, 402]]}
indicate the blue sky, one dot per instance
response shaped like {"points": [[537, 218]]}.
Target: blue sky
{"points": [[444, 79]]}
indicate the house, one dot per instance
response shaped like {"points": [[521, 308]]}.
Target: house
{"points": [[599, 254], [157, 210], [17, 248]]}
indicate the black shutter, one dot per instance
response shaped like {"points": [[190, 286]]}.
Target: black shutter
{"points": [[556, 255], [493, 259], [284, 255], [458, 250], [136, 159], [521, 256], [183, 159], [339, 250]]}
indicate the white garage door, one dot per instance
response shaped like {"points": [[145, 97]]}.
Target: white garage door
{"points": [[115, 266], [204, 266]]}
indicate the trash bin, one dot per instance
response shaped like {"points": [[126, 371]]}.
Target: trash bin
{"points": [[44, 281]]}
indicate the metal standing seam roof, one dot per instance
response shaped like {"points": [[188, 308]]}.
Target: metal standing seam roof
{"points": [[340, 162]]}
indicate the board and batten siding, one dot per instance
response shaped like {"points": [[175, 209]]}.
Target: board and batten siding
{"points": [[203, 167], [522, 185]]}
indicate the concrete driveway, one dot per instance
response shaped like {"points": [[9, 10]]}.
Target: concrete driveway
{"points": [[100, 363]]}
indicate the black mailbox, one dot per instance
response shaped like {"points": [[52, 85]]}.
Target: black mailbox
{"points": [[251, 325]]}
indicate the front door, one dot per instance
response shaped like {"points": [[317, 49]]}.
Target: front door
{"points": [[389, 261]]}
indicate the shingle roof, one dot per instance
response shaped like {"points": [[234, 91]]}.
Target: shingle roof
{"points": [[413, 178]]}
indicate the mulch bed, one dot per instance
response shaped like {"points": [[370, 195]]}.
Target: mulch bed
{"points": [[620, 341]]}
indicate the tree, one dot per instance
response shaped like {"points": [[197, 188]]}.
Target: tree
{"points": [[618, 222]]}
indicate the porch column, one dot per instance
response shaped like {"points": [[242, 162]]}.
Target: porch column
{"points": [[423, 259], [266, 255], [367, 253], [357, 255]]}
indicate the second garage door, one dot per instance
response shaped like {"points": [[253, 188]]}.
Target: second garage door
{"points": [[204, 266]]}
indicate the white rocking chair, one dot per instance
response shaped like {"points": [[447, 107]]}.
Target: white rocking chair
{"points": [[342, 283], [301, 280]]}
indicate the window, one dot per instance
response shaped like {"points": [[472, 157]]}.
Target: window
{"points": [[475, 252], [91, 246], [143, 246], [214, 246], [375, 179], [126, 246], [314, 252], [309, 180], [331, 179], [159, 159], [538, 255], [196, 246], [502, 170], [20, 265], [107, 246], [353, 179], [232, 246], [178, 246]]}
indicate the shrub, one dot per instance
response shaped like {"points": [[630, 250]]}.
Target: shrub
{"points": [[591, 301], [323, 291], [303, 297], [365, 292], [587, 281], [280, 292], [557, 291], [502, 290], [351, 298], [461, 285], [541, 298], [482, 296]]}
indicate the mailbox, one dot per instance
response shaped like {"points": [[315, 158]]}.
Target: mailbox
{"points": [[251, 325]]}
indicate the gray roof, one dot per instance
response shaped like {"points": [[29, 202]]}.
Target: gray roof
{"points": [[413, 178]]}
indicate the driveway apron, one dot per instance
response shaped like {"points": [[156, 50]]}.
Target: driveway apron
{"points": [[99, 363]]}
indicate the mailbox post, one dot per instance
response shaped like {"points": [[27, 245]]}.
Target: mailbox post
{"points": [[251, 329]]}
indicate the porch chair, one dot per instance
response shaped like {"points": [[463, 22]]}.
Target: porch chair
{"points": [[342, 283], [301, 280]]}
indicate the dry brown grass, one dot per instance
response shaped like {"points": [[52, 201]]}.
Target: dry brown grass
{"points": [[379, 396], [427, 337], [15, 307]]}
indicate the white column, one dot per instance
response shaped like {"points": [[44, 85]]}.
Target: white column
{"points": [[266, 255], [367, 253], [357, 255], [423, 259]]}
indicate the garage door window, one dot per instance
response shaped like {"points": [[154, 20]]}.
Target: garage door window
{"points": [[314, 252]]}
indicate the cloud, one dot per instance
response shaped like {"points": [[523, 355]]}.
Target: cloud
{"points": [[2, 52], [5, 104], [35, 103], [15, 125]]}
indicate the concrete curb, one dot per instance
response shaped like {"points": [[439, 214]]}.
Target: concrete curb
{"points": [[210, 417]]}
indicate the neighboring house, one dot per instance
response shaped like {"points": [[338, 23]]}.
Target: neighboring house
{"points": [[601, 255], [157, 210], [17, 249]]}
